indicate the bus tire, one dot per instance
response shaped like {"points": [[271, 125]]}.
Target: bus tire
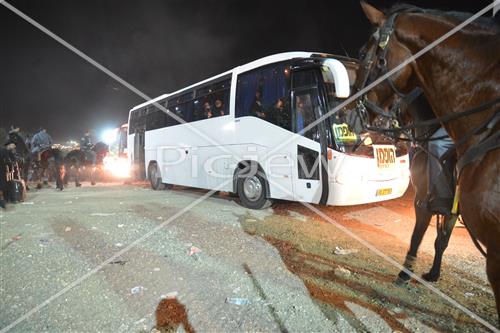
{"points": [[252, 191], [154, 177]]}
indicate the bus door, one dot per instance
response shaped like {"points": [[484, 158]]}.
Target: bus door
{"points": [[310, 172], [139, 154]]}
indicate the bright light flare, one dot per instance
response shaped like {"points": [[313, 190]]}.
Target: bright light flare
{"points": [[109, 136], [117, 166]]}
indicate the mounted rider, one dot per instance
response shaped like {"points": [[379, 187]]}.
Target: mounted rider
{"points": [[86, 146], [40, 142]]}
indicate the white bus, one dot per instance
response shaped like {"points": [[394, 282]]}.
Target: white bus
{"points": [[253, 115]]}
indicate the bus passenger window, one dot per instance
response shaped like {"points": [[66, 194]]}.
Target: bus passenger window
{"points": [[263, 93]]}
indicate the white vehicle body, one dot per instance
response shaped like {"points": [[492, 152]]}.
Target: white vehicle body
{"points": [[207, 153]]}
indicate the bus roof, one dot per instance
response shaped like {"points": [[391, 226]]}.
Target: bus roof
{"points": [[243, 68]]}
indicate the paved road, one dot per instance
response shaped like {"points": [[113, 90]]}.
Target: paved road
{"points": [[183, 274]]}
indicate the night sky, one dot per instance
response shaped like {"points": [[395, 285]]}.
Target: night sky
{"points": [[157, 46]]}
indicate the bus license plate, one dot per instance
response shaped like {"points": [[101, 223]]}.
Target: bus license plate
{"points": [[384, 191]]}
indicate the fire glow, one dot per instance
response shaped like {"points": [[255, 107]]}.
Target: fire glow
{"points": [[117, 166]]}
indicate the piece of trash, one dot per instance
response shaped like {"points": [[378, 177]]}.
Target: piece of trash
{"points": [[343, 252], [250, 220], [28, 203], [170, 295], [193, 250], [67, 229], [120, 225], [237, 301], [140, 321], [137, 290], [469, 294], [118, 262], [94, 228], [118, 244], [379, 225], [397, 220], [68, 202], [159, 218], [341, 271], [102, 214], [156, 269], [16, 237]]}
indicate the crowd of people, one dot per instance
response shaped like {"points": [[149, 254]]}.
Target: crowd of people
{"points": [[25, 158]]}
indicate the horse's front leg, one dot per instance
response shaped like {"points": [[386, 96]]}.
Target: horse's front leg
{"points": [[444, 230], [60, 174], [77, 176], [493, 272], [422, 221]]}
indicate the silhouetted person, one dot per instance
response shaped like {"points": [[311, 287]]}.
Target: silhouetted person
{"points": [[219, 108], [257, 110], [40, 142]]}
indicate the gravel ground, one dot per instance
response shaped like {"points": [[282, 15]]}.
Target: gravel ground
{"points": [[280, 263]]}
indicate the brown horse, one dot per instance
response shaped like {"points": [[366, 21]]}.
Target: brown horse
{"points": [[461, 73]]}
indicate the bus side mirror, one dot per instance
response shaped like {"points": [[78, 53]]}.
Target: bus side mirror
{"points": [[340, 77]]}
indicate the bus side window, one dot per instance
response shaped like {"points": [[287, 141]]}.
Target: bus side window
{"points": [[263, 93]]}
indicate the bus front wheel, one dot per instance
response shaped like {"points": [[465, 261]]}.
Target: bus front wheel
{"points": [[155, 178], [252, 191]]}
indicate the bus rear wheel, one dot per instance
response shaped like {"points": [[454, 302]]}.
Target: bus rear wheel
{"points": [[155, 178], [252, 191]]}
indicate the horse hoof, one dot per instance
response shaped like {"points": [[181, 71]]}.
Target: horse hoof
{"points": [[429, 277], [78, 185], [401, 281], [93, 183]]}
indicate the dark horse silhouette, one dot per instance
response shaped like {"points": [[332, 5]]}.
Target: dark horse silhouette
{"points": [[50, 164], [5, 160], [76, 159], [23, 156], [460, 78]]}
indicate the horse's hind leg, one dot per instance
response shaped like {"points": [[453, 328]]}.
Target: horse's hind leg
{"points": [[493, 271], [444, 230], [422, 220], [77, 177]]}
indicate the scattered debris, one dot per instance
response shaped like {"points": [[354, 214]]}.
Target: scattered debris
{"points": [[156, 269], [397, 220], [469, 294], [341, 271], [193, 250], [237, 300], [102, 214], [121, 225], [118, 262], [118, 244], [137, 290], [170, 295], [28, 203], [343, 252], [250, 220], [68, 202], [67, 229], [140, 321], [94, 228], [159, 218], [11, 240]]}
